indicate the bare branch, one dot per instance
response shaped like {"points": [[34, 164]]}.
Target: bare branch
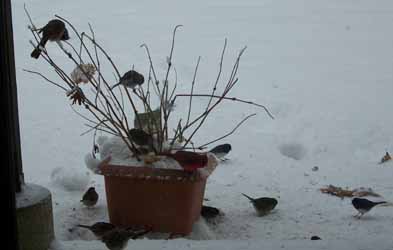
{"points": [[192, 92], [228, 134], [38, 73], [228, 98]]}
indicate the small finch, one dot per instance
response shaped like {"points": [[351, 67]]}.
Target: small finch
{"points": [[363, 205], [262, 205], [130, 79], [53, 31], [90, 198], [99, 228], [221, 150], [208, 212], [117, 239]]}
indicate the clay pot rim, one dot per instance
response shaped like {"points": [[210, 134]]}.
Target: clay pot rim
{"points": [[107, 169]]}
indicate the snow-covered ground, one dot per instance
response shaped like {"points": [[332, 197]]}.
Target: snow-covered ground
{"points": [[323, 68]]}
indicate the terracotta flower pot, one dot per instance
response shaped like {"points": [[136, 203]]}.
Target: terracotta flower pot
{"points": [[167, 200]]}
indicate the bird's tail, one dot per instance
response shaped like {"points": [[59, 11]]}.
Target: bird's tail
{"points": [[248, 197], [37, 51], [84, 226], [137, 234], [385, 204]]}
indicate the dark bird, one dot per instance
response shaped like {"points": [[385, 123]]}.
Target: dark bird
{"points": [[99, 228], [189, 161], [140, 137], [315, 237], [53, 31], [262, 205], [208, 212], [363, 205], [90, 198], [221, 150], [130, 79], [117, 239]]}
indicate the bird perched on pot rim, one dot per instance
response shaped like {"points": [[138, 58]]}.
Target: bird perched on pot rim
{"points": [[189, 161], [363, 205], [53, 31], [99, 228], [90, 198], [221, 150], [208, 212], [117, 239], [262, 205], [130, 79]]}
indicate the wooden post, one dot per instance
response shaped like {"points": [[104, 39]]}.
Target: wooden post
{"points": [[11, 166]]}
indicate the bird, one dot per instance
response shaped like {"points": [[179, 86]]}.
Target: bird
{"points": [[262, 205], [54, 31], [221, 150], [189, 161], [99, 228], [117, 239], [90, 198], [363, 205], [208, 212], [130, 79], [140, 137]]}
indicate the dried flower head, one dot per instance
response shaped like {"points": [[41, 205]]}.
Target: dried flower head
{"points": [[76, 95], [83, 73]]}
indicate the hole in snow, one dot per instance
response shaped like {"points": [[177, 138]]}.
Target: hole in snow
{"points": [[295, 151]]}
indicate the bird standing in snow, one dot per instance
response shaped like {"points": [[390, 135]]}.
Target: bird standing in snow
{"points": [[130, 79], [221, 151], [208, 212], [117, 239], [99, 228], [54, 30], [363, 205], [90, 198], [262, 205]]}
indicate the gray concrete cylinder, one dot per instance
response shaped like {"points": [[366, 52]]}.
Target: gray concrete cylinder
{"points": [[34, 217]]}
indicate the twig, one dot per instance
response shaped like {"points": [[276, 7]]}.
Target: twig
{"points": [[218, 75], [228, 134], [228, 98], [38, 73]]}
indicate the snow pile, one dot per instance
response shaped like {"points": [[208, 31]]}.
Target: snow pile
{"points": [[71, 179], [31, 194], [92, 163], [115, 148]]}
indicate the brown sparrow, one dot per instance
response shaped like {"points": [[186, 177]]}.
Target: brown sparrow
{"points": [[99, 228], [117, 239], [130, 79], [90, 198], [54, 30]]}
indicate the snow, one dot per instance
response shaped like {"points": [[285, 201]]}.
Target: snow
{"points": [[178, 244], [30, 195], [324, 70]]}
